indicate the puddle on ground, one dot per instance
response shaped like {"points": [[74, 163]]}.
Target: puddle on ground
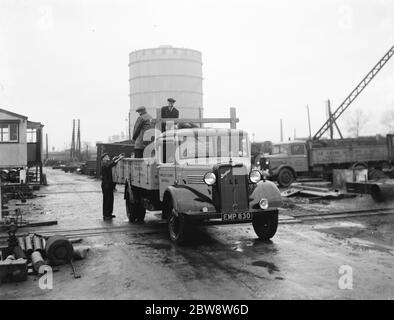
{"points": [[252, 245], [365, 244], [340, 224], [269, 265]]}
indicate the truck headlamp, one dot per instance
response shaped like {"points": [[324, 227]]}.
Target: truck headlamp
{"points": [[254, 176], [209, 178], [263, 203]]}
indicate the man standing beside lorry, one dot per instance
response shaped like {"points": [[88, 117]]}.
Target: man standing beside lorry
{"points": [[107, 184]]}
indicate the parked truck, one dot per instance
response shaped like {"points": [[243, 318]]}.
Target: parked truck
{"points": [[317, 158], [199, 175]]}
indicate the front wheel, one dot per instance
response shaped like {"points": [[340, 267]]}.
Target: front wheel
{"points": [[178, 227], [265, 225], [285, 177]]}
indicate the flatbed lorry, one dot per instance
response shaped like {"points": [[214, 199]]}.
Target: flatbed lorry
{"points": [[318, 158], [196, 176]]}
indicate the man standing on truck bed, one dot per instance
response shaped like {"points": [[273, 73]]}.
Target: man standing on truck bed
{"points": [[143, 123], [107, 184], [169, 112]]}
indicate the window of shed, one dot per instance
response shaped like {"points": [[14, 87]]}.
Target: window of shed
{"points": [[31, 135], [9, 132]]}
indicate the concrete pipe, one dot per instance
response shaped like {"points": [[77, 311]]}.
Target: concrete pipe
{"points": [[21, 242], [29, 246], [37, 260], [38, 245], [43, 243], [382, 191], [18, 252]]}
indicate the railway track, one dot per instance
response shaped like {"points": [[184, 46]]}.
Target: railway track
{"points": [[157, 226]]}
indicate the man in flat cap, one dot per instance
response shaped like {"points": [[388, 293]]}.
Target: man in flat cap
{"points": [[168, 112], [142, 124], [107, 184]]}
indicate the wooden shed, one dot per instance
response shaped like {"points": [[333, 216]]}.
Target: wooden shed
{"points": [[20, 143]]}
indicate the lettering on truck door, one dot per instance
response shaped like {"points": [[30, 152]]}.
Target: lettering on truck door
{"points": [[166, 177], [298, 159]]}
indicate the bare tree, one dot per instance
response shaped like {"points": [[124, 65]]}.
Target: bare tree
{"points": [[356, 122], [387, 120]]}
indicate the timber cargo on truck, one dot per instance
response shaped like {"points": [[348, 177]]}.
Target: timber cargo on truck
{"points": [[317, 158], [199, 175]]}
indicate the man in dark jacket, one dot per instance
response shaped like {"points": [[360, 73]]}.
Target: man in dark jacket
{"points": [[143, 123], [107, 184], [169, 112]]}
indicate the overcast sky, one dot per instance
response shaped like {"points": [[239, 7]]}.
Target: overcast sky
{"points": [[65, 59]]}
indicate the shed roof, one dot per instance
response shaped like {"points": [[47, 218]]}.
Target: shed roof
{"points": [[16, 115], [34, 125]]}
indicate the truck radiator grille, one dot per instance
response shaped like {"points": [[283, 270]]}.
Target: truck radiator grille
{"points": [[233, 188]]}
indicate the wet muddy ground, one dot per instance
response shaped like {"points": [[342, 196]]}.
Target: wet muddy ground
{"points": [[303, 260]]}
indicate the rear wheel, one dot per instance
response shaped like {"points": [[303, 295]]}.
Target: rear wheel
{"points": [[265, 225], [285, 177], [178, 228], [135, 208]]}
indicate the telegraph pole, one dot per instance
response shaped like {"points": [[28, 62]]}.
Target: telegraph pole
{"points": [[309, 122], [281, 130]]}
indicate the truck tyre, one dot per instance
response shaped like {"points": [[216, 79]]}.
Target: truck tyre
{"points": [[135, 209], [178, 228], [265, 225], [285, 177]]}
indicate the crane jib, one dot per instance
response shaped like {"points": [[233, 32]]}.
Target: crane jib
{"points": [[354, 94]]}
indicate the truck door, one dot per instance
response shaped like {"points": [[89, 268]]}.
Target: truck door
{"points": [[167, 164], [298, 157]]}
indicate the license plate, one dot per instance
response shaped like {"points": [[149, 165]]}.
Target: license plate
{"points": [[236, 216]]}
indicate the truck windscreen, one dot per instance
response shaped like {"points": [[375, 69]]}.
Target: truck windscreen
{"points": [[280, 149]]}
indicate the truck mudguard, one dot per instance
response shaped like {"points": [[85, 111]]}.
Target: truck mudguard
{"points": [[267, 190], [275, 172], [187, 199]]}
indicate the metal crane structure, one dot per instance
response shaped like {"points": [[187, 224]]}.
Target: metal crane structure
{"points": [[354, 94]]}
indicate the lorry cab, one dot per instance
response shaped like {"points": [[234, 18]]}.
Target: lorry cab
{"points": [[286, 160], [187, 154]]}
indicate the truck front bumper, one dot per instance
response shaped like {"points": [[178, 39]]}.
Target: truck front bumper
{"points": [[218, 217]]}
